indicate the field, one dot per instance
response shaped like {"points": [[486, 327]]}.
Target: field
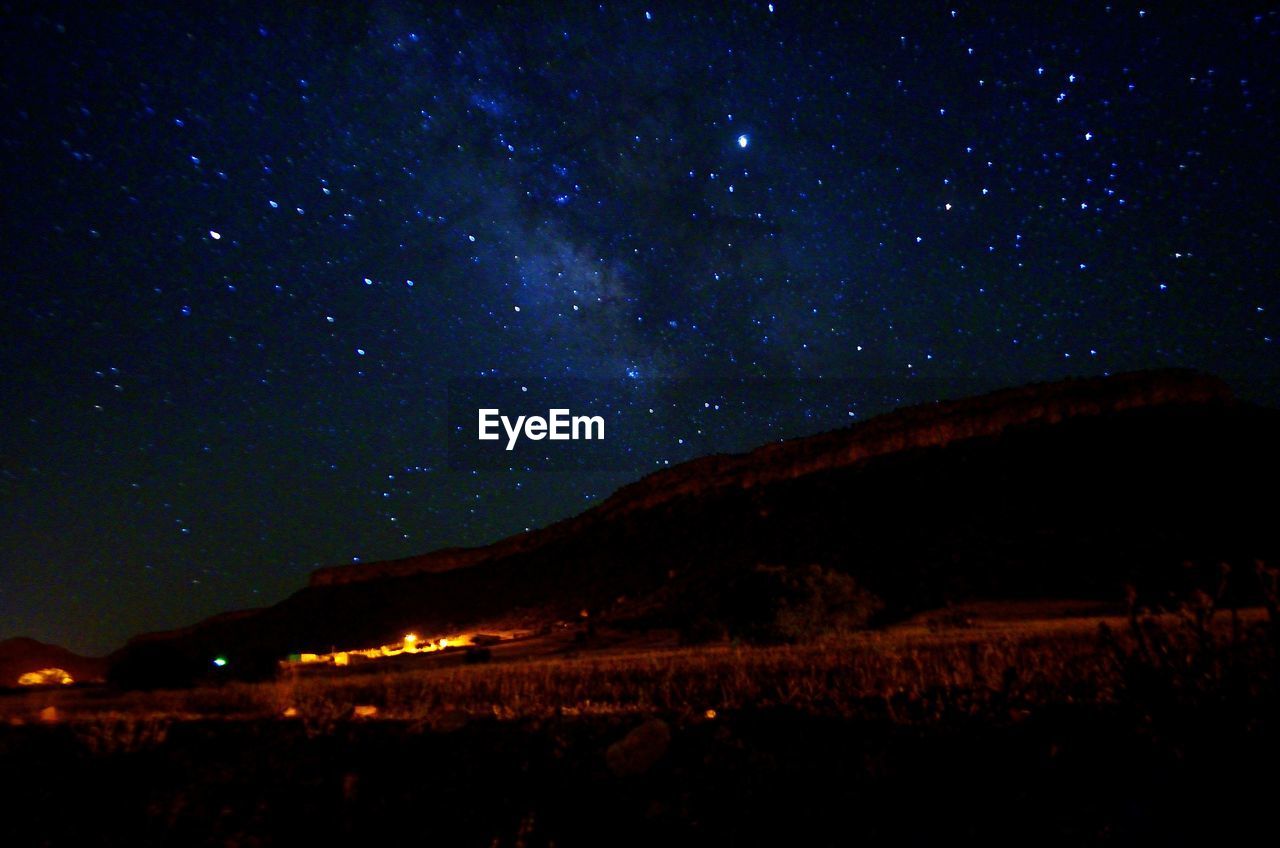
{"points": [[1073, 723]]}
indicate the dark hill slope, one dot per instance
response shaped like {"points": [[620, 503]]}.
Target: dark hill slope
{"points": [[928, 425], [20, 655], [1068, 489]]}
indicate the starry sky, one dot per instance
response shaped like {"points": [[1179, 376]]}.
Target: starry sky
{"points": [[248, 247]]}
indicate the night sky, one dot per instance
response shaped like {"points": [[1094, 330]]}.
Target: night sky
{"points": [[246, 249]]}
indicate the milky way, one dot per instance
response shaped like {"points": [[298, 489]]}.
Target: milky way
{"points": [[245, 252]]}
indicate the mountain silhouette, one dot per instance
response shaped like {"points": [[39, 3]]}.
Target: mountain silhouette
{"points": [[20, 655], [1069, 489]]}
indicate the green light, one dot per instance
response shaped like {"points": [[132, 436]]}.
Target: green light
{"points": [[219, 661]]}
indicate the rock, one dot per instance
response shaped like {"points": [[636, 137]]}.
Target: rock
{"points": [[639, 750]]}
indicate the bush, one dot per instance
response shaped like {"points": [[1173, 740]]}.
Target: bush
{"points": [[787, 604], [820, 600]]}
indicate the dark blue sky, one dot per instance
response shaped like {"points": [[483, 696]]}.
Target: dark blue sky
{"points": [[246, 246]]}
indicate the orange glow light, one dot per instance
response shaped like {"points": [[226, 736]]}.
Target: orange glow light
{"points": [[45, 677]]}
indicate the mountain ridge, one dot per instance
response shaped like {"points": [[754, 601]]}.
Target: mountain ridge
{"points": [[924, 425], [1061, 490]]}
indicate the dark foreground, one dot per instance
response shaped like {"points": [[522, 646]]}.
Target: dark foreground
{"points": [[1166, 735], [1066, 776]]}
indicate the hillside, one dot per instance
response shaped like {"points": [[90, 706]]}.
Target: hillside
{"points": [[1069, 489], [930, 425], [19, 656]]}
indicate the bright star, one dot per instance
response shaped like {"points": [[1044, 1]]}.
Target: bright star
{"points": [[743, 141]]}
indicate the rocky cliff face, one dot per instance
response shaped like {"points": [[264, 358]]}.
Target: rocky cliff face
{"points": [[931, 425]]}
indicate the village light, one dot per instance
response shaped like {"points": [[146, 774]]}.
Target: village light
{"points": [[45, 677]]}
